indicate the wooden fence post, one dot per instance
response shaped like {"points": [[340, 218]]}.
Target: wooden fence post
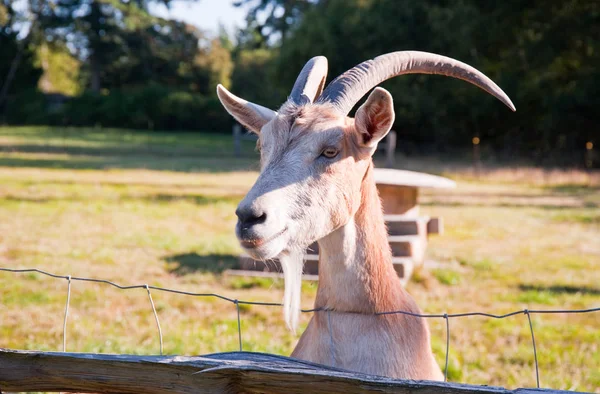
{"points": [[476, 156], [390, 149], [589, 153], [237, 140]]}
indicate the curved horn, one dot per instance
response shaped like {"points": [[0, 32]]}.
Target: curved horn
{"points": [[310, 81], [345, 91]]}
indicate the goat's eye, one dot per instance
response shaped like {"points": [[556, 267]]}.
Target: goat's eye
{"points": [[330, 153]]}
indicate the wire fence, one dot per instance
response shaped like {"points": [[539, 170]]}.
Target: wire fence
{"points": [[237, 303]]}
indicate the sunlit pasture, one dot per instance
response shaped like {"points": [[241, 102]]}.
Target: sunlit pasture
{"points": [[158, 208]]}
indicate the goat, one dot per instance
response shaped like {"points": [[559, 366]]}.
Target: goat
{"points": [[316, 184]]}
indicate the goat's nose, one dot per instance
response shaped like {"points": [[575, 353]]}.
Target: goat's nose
{"points": [[249, 217]]}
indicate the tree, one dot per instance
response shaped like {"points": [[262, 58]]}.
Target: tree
{"points": [[542, 55], [116, 39], [17, 62], [253, 78], [269, 21], [549, 55], [61, 70]]}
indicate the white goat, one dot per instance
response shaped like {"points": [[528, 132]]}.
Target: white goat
{"points": [[316, 184]]}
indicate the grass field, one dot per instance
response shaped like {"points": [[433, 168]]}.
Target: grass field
{"points": [[158, 208]]}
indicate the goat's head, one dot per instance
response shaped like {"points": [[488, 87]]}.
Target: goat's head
{"points": [[314, 157]]}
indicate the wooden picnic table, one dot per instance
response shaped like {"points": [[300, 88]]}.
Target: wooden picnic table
{"points": [[408, 230]]}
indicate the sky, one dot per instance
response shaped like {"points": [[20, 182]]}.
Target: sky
{"points": [[205, 14]]}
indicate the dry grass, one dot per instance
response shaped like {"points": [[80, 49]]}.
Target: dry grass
{"points": [[502, 174], [158, 209]]}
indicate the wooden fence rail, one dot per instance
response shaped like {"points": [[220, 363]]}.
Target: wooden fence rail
{"points": [[233, 372]]}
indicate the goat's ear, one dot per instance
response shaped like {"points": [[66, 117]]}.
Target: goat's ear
{"points": [[375, 117], [251, 116]]}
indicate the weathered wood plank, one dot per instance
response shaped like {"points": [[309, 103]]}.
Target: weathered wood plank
{"points": [[399, 200], [216, 373], [388, 176], [406, 225]]}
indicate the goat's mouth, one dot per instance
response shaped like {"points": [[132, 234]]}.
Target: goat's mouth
{"points": [[258, 242]]}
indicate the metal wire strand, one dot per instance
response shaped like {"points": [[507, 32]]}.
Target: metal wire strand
{"points": [[331, 346], [160, 336], [537, 371], [237, 305], [438, 315], [66, 313], [445, 316], [447, 346]]}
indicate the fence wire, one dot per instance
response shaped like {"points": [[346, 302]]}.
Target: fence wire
{"points": [[237, 303]]}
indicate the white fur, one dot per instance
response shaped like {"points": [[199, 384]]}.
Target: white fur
{"points": [[292, 264]]}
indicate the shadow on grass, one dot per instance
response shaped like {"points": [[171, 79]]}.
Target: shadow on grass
{"points": [[90, 149], [561, 289], [573, 189], [226, 163], [198, 199], [107, 150], [438, 203], [189, 263]]}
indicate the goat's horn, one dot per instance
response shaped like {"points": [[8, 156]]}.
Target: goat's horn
{"points": [[345, 91], [310, 81]]}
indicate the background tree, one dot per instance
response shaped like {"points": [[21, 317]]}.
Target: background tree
{"points": [[17, 68], [116, 59], [543, 56], [254, 79], [102, 33], [269, 21]]}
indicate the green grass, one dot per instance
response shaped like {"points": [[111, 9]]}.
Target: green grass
{"points": [[98, 149], [583, 216], [158, 208], [447, 277]]}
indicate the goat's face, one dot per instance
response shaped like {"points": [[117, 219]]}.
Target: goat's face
{"points": [[313, 160], [307, 187]]}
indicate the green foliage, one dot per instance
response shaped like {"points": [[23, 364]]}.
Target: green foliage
{"points": [[447, 277], [270, 20], [550, 75], [61, 70], [537, 297], [126, 68], [150, 107], [29, 106], [217, 62], [243, 283], [120, 44], [4, 17], [253, 78], [116, 47], [27, 73]]}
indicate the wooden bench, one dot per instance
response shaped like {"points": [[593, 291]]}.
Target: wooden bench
{"points": [[408, 230]]}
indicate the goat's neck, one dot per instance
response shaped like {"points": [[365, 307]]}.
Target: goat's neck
{"points": [[355, 261]]}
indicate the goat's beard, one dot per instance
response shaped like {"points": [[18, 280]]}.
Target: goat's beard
{"points": [[292, 263]]}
